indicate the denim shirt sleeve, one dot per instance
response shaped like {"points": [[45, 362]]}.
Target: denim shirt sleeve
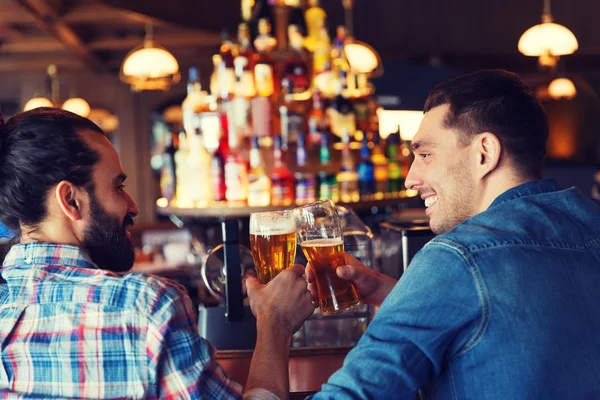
{"points": [[433, 314]]}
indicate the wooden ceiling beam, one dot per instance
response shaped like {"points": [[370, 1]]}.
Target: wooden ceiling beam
{"points": [[12, 64], [102, 13], [29, 45], [50, 22], [174, 40]]}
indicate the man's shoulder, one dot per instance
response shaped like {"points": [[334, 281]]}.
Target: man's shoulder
{"points": [[152, 291]]}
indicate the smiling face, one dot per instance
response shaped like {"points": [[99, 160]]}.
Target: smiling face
{"points": [[111, 211], [441, 172]]}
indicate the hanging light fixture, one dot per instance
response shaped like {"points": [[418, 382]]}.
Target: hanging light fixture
{"points": [[76, 105], [37, 102], [547, 40], [562, 88], [150, 66]]}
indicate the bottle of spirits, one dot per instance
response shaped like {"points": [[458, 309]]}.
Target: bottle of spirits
{"points": [[194, 103], [394, 164], [282, 180], [182, 191], [168, 179], [244, 64], [296, 72], [306, 183], [214, 77], [217, 163], [341, 112], [199, 171], [226, 72], [315, 20], [327, 177], [264, 71], [259, 184], [347, 177], [317, 124], [366, 171], [380, 164], [236, 174]]}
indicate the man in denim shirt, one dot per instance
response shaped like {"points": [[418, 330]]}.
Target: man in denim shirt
{"points": [[505, 302]]}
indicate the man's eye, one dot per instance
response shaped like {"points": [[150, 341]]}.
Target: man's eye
{"points": [[424, 155], [121, 187]]}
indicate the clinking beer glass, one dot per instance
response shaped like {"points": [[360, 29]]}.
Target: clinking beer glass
{"points": [[321, 238], [272, 242]]}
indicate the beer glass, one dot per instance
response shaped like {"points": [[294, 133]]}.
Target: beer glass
{"points": [[272, 242], [321, 239]]}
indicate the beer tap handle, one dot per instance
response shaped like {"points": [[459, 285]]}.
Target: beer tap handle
{"points": [[234, 310]]}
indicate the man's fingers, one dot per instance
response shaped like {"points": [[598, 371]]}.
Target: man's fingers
{"points": [[346, 272], [310, 273]]}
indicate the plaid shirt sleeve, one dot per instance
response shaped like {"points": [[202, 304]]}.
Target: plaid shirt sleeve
{"points": [[183, 361]]}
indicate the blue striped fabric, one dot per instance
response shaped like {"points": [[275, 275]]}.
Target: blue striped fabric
{"points": [[71, 330]]}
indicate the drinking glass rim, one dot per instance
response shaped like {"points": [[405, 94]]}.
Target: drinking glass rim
{"points": [[316, 203], [276, 212]]}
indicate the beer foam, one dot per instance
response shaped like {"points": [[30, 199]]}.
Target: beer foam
{"points": [[323, 242], [272, 225]]}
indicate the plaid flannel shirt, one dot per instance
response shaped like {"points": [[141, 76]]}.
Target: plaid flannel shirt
{"points": [[71, 330]]}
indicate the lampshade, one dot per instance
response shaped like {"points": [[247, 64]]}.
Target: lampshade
{"points": [[78, 106], [37, 102], [562, 88], [361, 57], [408, 120], [547, 38], [150, 67]]}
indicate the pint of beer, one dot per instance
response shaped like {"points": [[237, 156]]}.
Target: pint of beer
{"points": [[273, 243], [320, 234]]}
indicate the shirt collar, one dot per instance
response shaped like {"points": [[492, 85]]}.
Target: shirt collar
{"points": [[48, 254], [528, 189]]}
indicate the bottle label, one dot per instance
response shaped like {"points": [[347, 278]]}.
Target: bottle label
{"points": [[329, 190], [245, 85], [167, 179], [281, 193], [261, 116], [236, 181], [226, 79], [263, 77], [394, 171], [259, 192], [241, 117], [305, 191], [340, 121]]}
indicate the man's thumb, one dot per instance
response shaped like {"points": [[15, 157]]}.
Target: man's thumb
{"points": [[251, 285]]}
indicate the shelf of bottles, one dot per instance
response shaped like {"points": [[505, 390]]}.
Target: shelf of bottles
{"points": [[283, 125]]}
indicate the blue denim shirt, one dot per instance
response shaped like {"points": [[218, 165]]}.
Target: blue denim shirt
{"points": [[504, 306]]}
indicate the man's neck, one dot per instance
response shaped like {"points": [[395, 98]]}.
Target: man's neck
{"points": [[48, 233], [497, 184]]}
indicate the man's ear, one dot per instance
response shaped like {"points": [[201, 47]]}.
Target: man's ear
{"points": [[488, 150], [70, 200]]}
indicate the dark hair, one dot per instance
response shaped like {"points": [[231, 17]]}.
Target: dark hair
{"points": [[499, 102], [39, 149]]}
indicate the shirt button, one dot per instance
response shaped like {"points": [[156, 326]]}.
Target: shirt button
{"points": [[29, 260]]}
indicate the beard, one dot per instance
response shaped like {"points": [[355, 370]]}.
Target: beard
{"points": [[456, 200], [106, 240]]}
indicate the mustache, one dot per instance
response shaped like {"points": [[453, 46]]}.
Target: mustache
{"points": [[127, 221]]}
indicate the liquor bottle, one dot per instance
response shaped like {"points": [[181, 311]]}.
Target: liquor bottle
{"points": [[226, 73], [296, 73], [168, 179], [244, 64], [317, 123], [264, 72], [194, 103], [366, 171], [261, 116], [306, 184], [394, 164], [282, 180], [315, 19], [236, 173], [182, 190], [328, 185], [259, 184], [217, 163], [199, 170], [291, 117], [380, 164], [341, 111], [214, 77], [347, 177]]}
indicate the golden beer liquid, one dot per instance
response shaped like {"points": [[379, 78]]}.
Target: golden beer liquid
{"points": [[335, 294], [272, 254]]}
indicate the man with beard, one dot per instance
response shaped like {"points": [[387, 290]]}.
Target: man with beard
{"points": [[504, 302], [73, 325]]}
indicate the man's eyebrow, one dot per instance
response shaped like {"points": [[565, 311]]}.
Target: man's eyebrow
{"points": [[419, 144], [119, 179]]}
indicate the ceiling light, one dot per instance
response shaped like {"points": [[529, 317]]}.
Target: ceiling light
{"points": [[562, 88], [78, 106]]}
